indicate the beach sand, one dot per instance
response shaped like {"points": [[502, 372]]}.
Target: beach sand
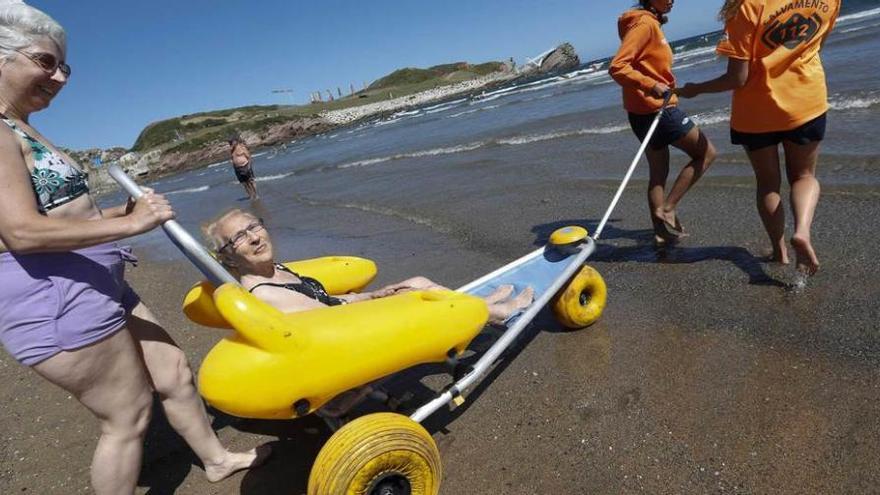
{"points": [[703, 376]]}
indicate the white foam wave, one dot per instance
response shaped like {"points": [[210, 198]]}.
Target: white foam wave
{"points": [[857, 28], [446, 103], [188, 190], [695, 52], [416, 154], [533, 138], [217, 164], [859, 15], [712, 117], [269, 178], [473, 110], [839, 102]]}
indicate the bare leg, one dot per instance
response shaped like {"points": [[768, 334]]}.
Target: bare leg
{"points": [[765, 163], [702, 154], [109, 380], [172, 379], [501, 311], [658, 163], [800, 168], [252, 189], [410, 284]]}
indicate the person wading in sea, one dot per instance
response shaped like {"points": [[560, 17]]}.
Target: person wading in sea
{"points": [[241, 163]]}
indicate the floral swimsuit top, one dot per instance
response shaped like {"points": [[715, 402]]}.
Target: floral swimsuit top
{"points": [[55, 181]]}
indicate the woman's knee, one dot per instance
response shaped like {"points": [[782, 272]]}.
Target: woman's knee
{"points": [[130, 420], [176, 377]]}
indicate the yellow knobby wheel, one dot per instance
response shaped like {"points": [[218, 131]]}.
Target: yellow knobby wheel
{"points": [[581, 302], [377, 454]]}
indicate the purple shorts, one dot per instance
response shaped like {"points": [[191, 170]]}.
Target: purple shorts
{"points": [[53, 302]]}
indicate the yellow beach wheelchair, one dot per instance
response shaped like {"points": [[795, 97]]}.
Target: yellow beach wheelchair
{"points": [[283, 366]]}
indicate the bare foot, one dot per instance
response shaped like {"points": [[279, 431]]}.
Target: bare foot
{"points": [[500, 312], [780, 257], [523, 299], [499, 294], [236, 461], [807, 262]]}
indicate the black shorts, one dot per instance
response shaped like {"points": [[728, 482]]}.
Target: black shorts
{"points": [[673, 125], [244, 174], [812, 131]]}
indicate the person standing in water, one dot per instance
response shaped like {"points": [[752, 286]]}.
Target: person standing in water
{"points": [[241, 163], [643, 67], [779, 97]]}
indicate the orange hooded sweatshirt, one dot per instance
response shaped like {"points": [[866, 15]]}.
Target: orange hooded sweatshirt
{"points": [[643, 59]]}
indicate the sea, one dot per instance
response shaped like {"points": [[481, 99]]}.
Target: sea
{"points": [[569, 126]]}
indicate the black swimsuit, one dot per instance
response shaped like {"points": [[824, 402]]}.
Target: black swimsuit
{"points": [[308, 287]]}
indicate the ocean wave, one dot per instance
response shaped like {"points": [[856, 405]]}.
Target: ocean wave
{"points": [[711, 117], [859, 15], [534, 138], [415, 154], [446, 103], [841, 102], [187, 190], [473, 110], [269, 178], [217, 164], [509, 141], [857, 28]]}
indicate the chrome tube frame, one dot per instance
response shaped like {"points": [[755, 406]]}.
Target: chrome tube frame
{"points": [[483, 365], [189, 246]]}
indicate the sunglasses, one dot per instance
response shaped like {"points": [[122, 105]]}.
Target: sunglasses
{"points": [[47, 62], [241, 236]]}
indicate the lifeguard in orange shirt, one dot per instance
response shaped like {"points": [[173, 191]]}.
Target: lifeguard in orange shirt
{"points": [[779, 96], [643, 67]]}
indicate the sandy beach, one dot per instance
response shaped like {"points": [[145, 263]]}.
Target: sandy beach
{"points": [[704, 375]]}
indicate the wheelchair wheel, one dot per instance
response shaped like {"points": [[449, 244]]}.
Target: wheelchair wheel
{"points": [[580, 303], [378, 454]]}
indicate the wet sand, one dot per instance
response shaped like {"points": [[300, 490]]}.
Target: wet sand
{"points": [[703, 376]]}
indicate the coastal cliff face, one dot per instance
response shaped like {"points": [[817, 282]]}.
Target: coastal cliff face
{"points": [[563, 58]]}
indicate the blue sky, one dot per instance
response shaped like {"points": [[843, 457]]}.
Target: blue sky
{"points": [[136, 62]]}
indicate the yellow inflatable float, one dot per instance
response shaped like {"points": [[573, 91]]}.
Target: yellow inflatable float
{"points": [[281, 366]]}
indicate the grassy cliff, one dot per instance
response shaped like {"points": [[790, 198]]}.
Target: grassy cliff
{"points": [[189, 132]]}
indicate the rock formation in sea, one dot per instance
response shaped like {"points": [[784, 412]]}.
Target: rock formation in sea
{"points": [[561, 59]]}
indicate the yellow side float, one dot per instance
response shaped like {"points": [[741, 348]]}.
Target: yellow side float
{"points": [[279, 366]]}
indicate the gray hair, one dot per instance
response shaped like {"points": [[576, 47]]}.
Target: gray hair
{"points": [[22, 26]]}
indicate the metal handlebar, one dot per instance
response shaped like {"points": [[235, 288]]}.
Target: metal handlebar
{"points": [[189, 246]]}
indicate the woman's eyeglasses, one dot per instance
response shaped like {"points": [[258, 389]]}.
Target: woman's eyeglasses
{"points": [[47, 62], [241, 236]]}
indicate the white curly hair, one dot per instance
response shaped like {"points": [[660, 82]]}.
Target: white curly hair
{"points": [[22, 26]]}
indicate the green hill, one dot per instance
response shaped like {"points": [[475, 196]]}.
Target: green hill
{"points": [[189, 132]]}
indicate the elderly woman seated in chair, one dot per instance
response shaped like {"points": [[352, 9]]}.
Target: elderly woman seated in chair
{"points": [[244, 246]]}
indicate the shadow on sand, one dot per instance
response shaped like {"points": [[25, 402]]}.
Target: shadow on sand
{"points": [[644, 251]]}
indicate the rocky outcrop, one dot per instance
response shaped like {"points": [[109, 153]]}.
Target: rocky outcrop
{"points": [[562, 59]]}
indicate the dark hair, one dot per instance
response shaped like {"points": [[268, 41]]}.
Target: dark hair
{"points": [[646, 4]]}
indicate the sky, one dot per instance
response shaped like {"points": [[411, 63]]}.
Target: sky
{"points": [[137, 62]]}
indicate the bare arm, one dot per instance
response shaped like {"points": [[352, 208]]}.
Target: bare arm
{"points": [[736, 76], [23, 229]]}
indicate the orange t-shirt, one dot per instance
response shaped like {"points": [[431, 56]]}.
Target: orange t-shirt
{"points": [[643, 59], [781, 40]]}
